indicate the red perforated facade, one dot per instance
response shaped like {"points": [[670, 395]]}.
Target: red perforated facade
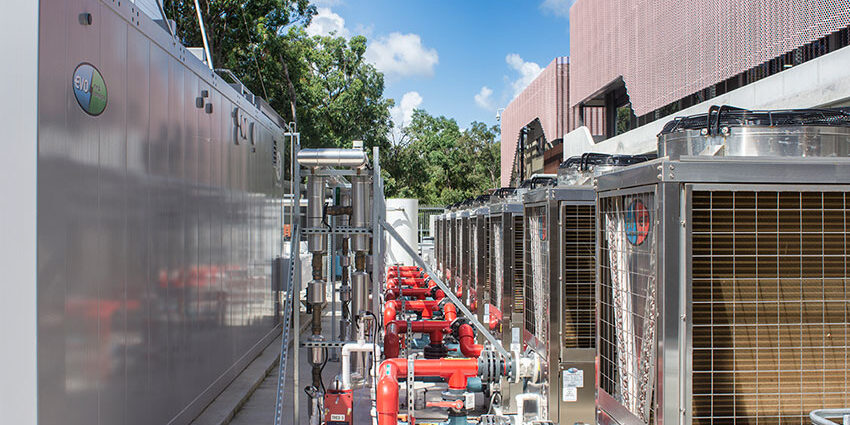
{"points": [[665, 50]]}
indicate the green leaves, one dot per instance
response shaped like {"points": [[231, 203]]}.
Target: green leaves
{"points": [[439, 163], [338, 97], [326, 86]]}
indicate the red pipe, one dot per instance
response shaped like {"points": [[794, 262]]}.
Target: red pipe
{"points": [[455, 371], [392, 339], [395, 293], [495, 317], [425, 306], [438, 294], [395, 282], [467, 342], [449, 312], [406, 268], [404, 273]]}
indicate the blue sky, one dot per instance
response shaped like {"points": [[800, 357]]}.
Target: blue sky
{"points": [[463, 59]]}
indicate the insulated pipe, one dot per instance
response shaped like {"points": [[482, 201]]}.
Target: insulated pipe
{"points": [[355, 347], [455, 371], [351, 158]]}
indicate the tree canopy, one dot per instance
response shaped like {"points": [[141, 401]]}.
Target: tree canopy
{"points": [[438, 163], [324, 84]]}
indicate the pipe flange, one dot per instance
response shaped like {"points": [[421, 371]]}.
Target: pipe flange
{"points": [[436, 351], [490, 366]]}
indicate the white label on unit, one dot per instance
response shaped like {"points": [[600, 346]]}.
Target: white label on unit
{"points": [[469, 402], [570, 394], [573, 378], [340, 418]]}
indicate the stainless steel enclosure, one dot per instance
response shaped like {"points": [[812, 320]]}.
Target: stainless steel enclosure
{"points": [[723, 290], [158, 221], [464, 260], [451, 238], [481, 260], [439, 243], [506, 264], [560, 296]]}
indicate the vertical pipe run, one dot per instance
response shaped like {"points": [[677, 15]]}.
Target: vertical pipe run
{"points": [[316, 243]]}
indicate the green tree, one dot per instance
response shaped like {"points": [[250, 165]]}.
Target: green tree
{"points": [[438, 163], [322, 83]]}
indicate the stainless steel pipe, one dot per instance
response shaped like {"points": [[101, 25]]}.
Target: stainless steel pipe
{"points": [[315, 206], [351, 158], [360, 210]]}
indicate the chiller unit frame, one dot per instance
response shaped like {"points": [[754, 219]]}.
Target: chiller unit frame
{"points": [[559, 289], [560, 283], [464, 260], [722, 281], [479, 219]]}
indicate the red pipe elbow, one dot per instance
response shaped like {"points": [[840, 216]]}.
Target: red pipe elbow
{"points": [[390, 310], [455, 371], [466, 338]]}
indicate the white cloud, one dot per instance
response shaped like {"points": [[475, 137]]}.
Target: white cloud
{"points": [[402, 112], [558, 7], [402, 55], [326, 22], [484, 98], [528, 71]]}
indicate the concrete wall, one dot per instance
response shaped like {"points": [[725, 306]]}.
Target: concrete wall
{"points": [[821, 82]]}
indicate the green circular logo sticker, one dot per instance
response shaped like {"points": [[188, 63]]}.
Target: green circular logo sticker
{"points": [[89, 89]]}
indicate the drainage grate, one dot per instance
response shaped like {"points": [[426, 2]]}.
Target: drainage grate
{"points": [[579, 256], [770, 305]]}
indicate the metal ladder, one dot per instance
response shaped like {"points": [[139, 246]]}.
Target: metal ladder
{"points": [[288, 302]]}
